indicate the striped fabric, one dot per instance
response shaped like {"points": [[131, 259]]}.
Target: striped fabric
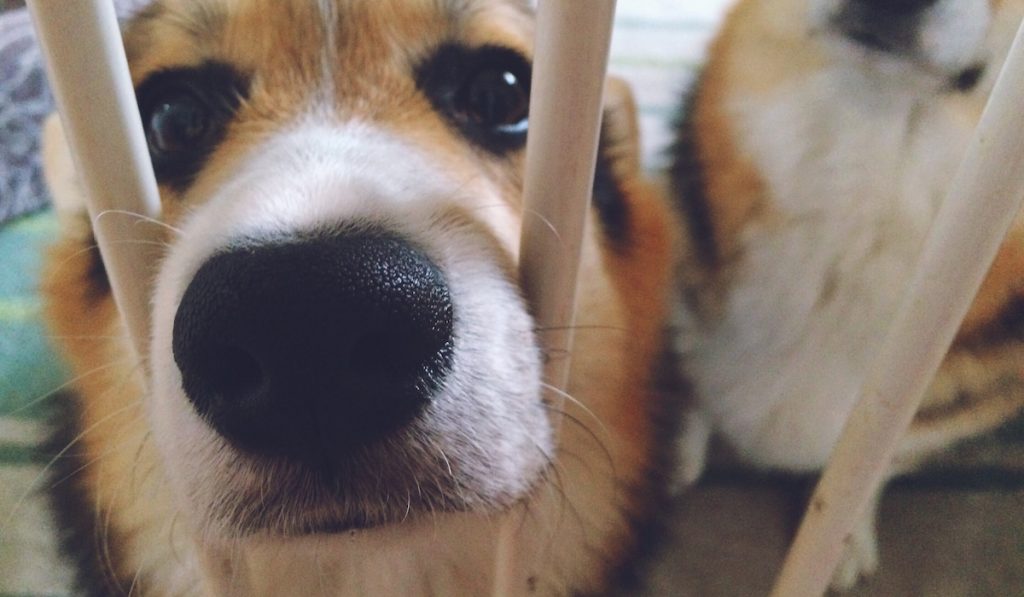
{"points": [[657, 44], [28, 372]]}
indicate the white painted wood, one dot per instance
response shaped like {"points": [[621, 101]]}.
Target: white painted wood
{"points": [[566, 96], [88, 72]]}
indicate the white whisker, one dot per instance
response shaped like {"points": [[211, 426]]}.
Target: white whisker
{"points": [[140, 217]]}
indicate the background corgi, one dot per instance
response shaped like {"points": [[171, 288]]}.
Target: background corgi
{"points": [[811, 160], [345, 380]]}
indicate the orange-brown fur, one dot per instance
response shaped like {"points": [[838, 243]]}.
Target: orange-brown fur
{"points": [[734, 188]]}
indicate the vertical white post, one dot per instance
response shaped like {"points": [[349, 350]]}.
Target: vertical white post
{"points": [[566, 96], [88, 72], [570, 65], [984, 199]]}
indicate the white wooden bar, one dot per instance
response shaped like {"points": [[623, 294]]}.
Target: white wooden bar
{"points": [[88, 73], [985, 197], [567, 91], [566, 96]]}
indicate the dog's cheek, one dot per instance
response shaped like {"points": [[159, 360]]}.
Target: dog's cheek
{"points": [[496, 382]]}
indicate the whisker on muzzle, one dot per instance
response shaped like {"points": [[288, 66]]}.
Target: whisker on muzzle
{"points": [[59, 267], [570, 398], [140, 219]]}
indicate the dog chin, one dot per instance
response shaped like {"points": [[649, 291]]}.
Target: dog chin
{"points": [[283, 499], [228, 494]]}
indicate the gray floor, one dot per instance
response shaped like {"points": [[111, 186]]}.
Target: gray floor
{"points": [[936, 542], [953, 529]]}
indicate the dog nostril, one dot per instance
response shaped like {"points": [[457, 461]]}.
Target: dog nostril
{"points": [[236, 375]]}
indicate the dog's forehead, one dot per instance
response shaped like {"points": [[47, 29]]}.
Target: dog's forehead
{"points": [[294, 37]]}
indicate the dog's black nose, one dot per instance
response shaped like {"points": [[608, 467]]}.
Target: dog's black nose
{"points": [[895, 8], [313, 347]]}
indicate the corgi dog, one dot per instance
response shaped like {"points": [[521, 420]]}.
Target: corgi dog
{"points": [[812, 156], [343, 393]]}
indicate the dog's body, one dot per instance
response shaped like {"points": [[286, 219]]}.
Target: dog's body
{"points": [[389, 130], [812, 158]]}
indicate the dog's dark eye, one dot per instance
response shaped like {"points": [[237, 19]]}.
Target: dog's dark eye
{"points": [[485, 92], [495, 99], [177, 124], [185, 113]]}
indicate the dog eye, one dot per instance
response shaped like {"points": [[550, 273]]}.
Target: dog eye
{"points": [[484, 92], [177, 124], [185, 113], [495, 99]]}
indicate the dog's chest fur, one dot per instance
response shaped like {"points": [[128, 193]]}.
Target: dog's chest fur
{"points": [[853, 179]]}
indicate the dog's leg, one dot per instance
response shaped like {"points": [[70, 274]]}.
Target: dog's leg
{"points": [[860, 552]]}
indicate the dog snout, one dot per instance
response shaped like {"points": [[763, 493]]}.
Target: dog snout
{"points": [[314, 347]]}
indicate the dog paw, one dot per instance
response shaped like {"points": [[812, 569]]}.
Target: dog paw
{"points": [[860, 557]]}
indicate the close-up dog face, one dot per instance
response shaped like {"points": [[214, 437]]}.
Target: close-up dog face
{"points": [[340, 347], [337, 317], [948, 41]]}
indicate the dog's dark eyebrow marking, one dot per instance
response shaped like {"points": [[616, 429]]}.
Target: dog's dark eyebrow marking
{"points": [[688, 184]]}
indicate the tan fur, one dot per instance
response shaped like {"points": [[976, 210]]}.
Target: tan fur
{"points": [[640, 276], [146, 543]]}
